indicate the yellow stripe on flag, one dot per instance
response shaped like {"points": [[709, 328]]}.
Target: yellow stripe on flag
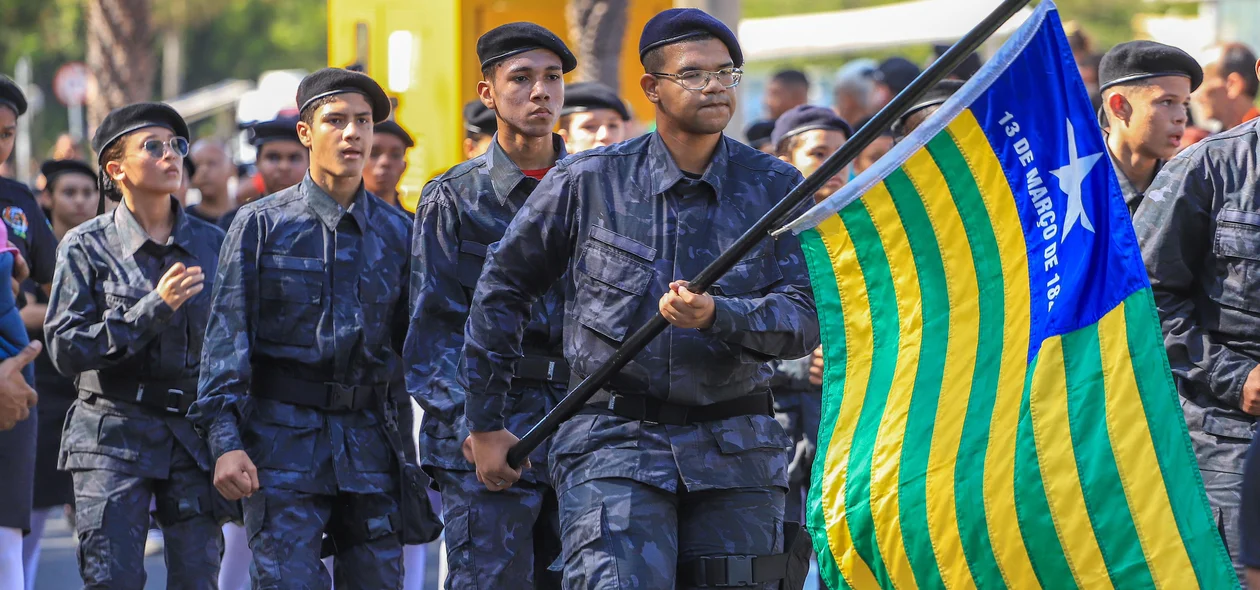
{"points": [[960, 363], [999, 461], [1135, 459], [886, 457], [859, 342], [1048, 405]]}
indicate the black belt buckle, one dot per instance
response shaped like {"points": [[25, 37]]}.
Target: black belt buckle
{"points": [[738, 570], [340, 397], [171, 402]]}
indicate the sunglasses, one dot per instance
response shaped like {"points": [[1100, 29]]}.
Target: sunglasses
{"points": [[157, 147]]}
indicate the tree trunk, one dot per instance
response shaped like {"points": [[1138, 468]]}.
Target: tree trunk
{"points": [[119, 54], [597, 27]]}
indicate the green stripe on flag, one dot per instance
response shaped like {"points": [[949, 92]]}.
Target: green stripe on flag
{"points": [[885, 328], [969, 470], [1035, 521], [1105, 501], [827, 298], [921, 417], [1169, 435]]}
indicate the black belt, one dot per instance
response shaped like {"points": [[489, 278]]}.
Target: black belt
{"points": [[329, 397], [174, 395], [543, 368], [649, 409]]}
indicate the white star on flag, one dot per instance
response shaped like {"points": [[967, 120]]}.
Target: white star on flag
{"points": [[1070, 178]]}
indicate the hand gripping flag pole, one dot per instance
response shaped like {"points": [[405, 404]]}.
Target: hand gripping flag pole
{"points": [[776, 217]]}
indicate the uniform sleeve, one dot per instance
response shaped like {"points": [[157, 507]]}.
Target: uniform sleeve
{"points": [[223, 400], [531, 257], [439, 308], [1175, 238], [791, 375], [42, 246], [82, 336], [782, 324]]}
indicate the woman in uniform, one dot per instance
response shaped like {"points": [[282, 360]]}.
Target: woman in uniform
{"points": [[126, 319]]}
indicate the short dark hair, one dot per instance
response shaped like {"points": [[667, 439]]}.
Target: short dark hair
{"points": [[654, 59], [791, 78], [1237, 58], [113, 153], [487, 73], [308, 114]]}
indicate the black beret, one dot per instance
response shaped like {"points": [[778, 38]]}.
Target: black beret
{"points": [[133, 117], [333, 81], [51, 169], [680, 24], [479, 119], [11, 96], [936, 95], [806, 117], [759, 132], [278, 129], [588, 96], [1139, 60], [389, 127], [504, 41], [967, 68], [897, 73]]}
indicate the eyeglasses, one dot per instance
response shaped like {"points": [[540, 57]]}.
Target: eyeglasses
{"points": [[157, 147], [699, 79]]}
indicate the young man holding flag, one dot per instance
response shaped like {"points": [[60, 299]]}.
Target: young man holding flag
{"points": [[675, 473]]}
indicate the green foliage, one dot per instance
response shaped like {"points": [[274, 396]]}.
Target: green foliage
{"points": [[221, 39]]}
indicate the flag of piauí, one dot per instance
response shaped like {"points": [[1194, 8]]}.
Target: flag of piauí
{"points": [[998, 410]]}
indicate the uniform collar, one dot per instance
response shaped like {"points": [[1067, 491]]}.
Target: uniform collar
{"points": [[666, 173], [132, 237], [1131, 195], [327, 208], [504, 173]]}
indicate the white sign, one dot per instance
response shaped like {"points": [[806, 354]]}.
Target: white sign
{"points": [[71, 83]]}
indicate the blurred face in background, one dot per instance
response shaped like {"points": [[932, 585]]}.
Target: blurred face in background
{"points": [[593, 128], [807, 151], [214, 168], [872, 153], [281, 164], [72, 199], [386, 164]]}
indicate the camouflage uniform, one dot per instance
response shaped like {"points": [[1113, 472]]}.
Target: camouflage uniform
{"points": [[638, 497], [110, 329], [494, 540], [798, 408], [1132, 197], [307, 309], [1199, 229]]}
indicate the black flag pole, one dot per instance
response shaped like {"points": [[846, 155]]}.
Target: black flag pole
{"points": [[770, 221]]}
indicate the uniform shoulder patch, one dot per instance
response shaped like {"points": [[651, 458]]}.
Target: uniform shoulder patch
{"points": [[15, 218]]}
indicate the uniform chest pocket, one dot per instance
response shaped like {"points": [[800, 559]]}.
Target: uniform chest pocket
{"points": [[612, 278], [290, 289], [1237, 249], [751, 277], [121, 296], [472, 257]]}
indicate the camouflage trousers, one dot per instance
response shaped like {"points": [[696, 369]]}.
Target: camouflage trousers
{"points": [[286, 529], [1220, 460], [799, 413], [504, 539], [112, 522], [620, 533]]}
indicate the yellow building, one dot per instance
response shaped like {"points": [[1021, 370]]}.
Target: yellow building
{"points": [[423, 52]]}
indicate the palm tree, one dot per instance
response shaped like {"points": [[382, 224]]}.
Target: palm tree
{"points": [[598, 27], [120, 54]]}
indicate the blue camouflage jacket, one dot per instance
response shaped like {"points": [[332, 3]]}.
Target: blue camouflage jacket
{"points": [[104, 315], [460, 214], [314, 292], [613, 220]]}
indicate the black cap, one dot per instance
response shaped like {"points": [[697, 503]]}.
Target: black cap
{"points": [[133, 117], [897, 73], [333, 81], [967, 68], [390, 127], [1139, 60], [11, 96], [479, 119], [759, 132], [680, 24], [935, 96], [588, 96], [51, 169], [278, 129], [504, 41], [806, 117]]}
